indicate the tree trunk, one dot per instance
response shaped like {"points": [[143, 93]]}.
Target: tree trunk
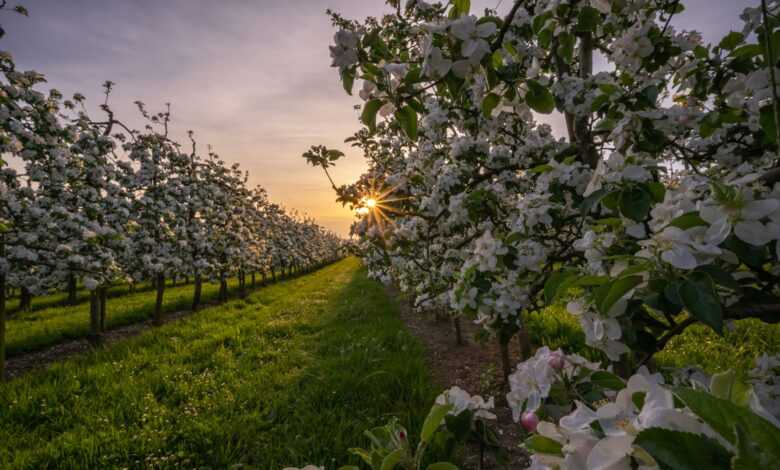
{"points": [[196, 295], [173, 281], [263, 279], [458, 333], [103, 293], [506, 364], [94, 317], [273, 275], [2, 324], [526, 348], [223, 295], [253, 280], [160, 284], [241, 283], [131, 288], [25, 300], [72, 289]]}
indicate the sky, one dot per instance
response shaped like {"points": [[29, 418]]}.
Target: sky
{"points": [[251, 78]]}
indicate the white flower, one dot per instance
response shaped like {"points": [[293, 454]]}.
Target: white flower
{"points": [[744, 217], [435, 64], [462, 401], [474, 46], [602, 5], [91, 283]]}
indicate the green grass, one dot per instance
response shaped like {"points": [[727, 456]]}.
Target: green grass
{"points": [[291, 375], [698, 345], [44, 327]]}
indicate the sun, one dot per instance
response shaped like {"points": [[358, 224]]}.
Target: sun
{"points": [[370, 202]]}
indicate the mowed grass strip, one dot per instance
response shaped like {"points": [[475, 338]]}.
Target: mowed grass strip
{"points": [[44, 327], [293, 374]]}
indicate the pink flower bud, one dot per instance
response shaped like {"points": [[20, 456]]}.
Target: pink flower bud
{"points": [[555, 361], [529, 420]]}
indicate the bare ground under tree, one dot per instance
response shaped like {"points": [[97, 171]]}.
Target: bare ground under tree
{"points": [[474, 367]]}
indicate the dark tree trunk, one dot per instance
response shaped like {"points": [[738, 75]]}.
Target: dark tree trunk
{"points": [[273, 275], [131, 288], [160, 284], [241, 283], [25, 300], [2, 324], [523, 338], [263, 280], [253, 279], [173, 281], [506, 363], [94, 317], [223, 294], [103, 293], [196, 295], [458, 332], [72, 289]]}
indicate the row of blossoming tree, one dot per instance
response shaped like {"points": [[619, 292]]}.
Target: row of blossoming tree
{"points": [[96, 202], [659, 209]]}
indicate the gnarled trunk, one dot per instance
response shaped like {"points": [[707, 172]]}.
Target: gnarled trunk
{"points": [[103, 294], [95, 334], [160, 285], [458, 333], [223, 288], [197, 294], [25, 300], [2, 325], [72, 289]]}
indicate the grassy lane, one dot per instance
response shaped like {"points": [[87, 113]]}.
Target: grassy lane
{"points": [[291, 375], [45, 327]]}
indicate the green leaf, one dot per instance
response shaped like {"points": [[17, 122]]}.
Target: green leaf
{"points": [[348, 79], [731, 40], [543, 445], [677, 450], [349, 467], [539, 98], [749, 456], [608, 294], [767, 121], [588, 19], [370, 109], [723, 416], [566, 47], [442, 466], [552, 288], [635, 203], [689, 220], [407, 117], [462, 7], [392, 459], [590, 202], [490, 103], [657, 190], [607, 380], [433, 421], [726, 385], [701, 300]]}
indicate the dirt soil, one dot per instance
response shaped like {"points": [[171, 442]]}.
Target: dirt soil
{"points": [[473, 366]]}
